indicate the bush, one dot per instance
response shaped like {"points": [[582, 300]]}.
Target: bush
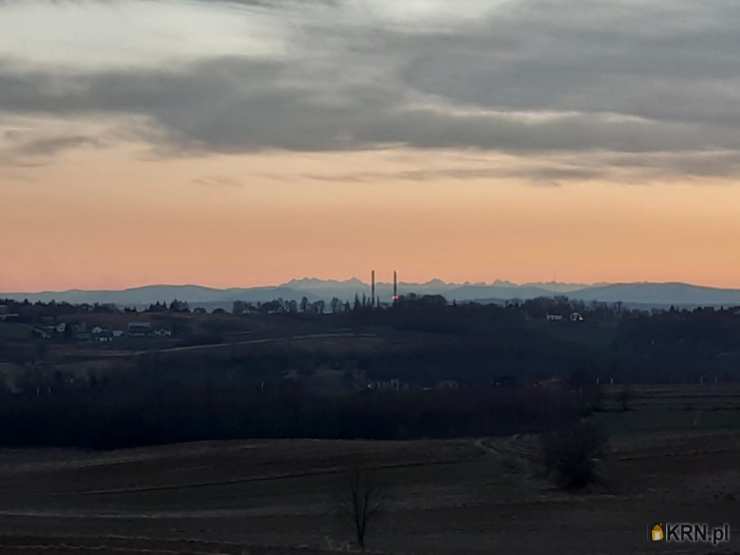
{"points": [[572, 455]]}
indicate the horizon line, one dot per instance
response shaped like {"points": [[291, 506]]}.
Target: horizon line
{"points": [[498, 282]]}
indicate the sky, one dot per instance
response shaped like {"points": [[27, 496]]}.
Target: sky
{"points": [[239, 143]]}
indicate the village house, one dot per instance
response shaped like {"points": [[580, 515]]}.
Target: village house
{"points": [[387, 385], [105, 336], [101, 334]]}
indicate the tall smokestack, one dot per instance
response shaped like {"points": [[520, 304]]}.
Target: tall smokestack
{"points": [[372, 288], [395, 285]]}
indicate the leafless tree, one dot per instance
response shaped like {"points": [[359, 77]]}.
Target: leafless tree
{"points": [[363, 499]]}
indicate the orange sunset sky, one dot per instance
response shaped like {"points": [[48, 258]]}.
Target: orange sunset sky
{"points": [[238, 144]]}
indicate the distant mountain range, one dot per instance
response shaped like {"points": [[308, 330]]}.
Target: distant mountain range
{"points": [[643, 294]]}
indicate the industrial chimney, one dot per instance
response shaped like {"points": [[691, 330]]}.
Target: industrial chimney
{"points": [[372, 288], [395, 286]]}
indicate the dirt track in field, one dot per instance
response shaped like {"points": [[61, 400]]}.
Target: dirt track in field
{"points": [[461, 496]]}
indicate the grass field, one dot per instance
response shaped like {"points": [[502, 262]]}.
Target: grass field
{"points": [[477, 495], [660, 408]]}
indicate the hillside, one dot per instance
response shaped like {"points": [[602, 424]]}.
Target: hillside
{"points": [[163, 293], [659, 294], [648, 294]]}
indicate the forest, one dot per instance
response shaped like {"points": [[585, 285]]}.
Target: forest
{"points": [[429, 369]]}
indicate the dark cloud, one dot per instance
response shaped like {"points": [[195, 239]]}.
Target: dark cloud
{"points": [[536, 173], [234, 105], [23, 149], [653, 83]]}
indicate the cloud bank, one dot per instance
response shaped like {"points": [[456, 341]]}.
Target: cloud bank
{"points": [[652, 86]]}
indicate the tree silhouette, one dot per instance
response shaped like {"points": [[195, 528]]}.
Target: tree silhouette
{"points": [[363, 499]]}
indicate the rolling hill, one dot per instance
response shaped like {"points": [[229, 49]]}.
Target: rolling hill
{"points": [[647, 294]]}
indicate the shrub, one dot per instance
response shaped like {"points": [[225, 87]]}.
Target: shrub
{"points": [[573, 454]]}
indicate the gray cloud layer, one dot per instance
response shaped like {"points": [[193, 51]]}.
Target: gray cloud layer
{"points": [[655, 83]]}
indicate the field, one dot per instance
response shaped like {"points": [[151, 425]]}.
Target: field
{"points": [[668, 460]]}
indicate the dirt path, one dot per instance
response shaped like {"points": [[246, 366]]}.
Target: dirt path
{"points": [[138, 545], [446, 497], [233, 344]]}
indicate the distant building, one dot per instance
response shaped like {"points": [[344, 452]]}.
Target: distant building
{"points": [[102, 335], [139, 329], [386, 385], [61, 327], [117, 333], [576, 317], [4, 309], [105, 336]]}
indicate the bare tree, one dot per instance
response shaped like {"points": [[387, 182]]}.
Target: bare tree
{"points": [[363, 499]]}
